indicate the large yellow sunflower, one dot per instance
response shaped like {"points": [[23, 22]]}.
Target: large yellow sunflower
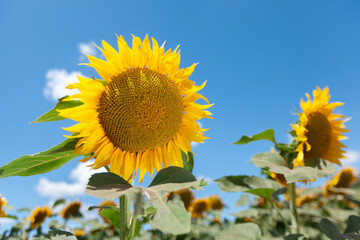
{"points": [[142, 114], [319, 130]]}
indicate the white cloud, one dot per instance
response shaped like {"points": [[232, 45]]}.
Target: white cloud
{"points": [[351, 157], [89, 49], [80, 176], [57, 81]]}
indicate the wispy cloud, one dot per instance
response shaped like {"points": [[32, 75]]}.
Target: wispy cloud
{"points": [[79, 176], [352, 157], [57, 81], [88, 49]]}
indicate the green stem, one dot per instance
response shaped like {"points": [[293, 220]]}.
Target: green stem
{"points": [[281, 216], [294, 215], [124, 216], [134, 221]]}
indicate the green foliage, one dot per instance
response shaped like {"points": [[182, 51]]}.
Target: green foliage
{"points": [[168, 214], [249, 231], [41, 162], [255, 185], [53, 115], [331, 230], [113, 214], [58, 202], [171, 216], [188, 161], [276, 163], [265, 135]]}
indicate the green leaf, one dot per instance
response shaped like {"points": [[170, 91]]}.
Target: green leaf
{"points": [[265, 135], [233, 183], [276, 164], [41, 162], [353, 224], [58, 202], [263, 192], [173, 179], [113, 214], [242, 183], [107, 185], [248, 231], [53, 115], [330, 230], [170, 217], [188, 161], [294, 237], [24, 210], [59, 232], [243, 201]]}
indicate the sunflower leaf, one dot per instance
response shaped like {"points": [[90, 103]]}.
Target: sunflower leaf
{"points": [[330, 230], [265, 135], [249, 231], [107, 185], [353, 224], [170, 216], [243, 183], [112, 214], [53, 115], [263, 192], [42, 162], [276, 164], [172, 179], [188, 161], [59, 202]]}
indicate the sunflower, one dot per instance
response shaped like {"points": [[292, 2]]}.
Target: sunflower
{"points": [[216, 203], [319, 130], [3, 202], [186, 196], [343, 179], [79, 233], [38, 216], [142, 114], [199, 206], [71, 210]]}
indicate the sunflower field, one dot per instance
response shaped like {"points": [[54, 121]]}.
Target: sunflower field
{"points": [[140, 118]]}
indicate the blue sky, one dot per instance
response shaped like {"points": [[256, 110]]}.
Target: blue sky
{"points": [[259, 57]]}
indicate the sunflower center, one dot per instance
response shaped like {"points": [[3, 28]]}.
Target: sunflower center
{"points": [[140, 109], [318, 135]]}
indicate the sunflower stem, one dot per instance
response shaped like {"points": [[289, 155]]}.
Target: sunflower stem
{"points": [[124, 216], [281, 216], [294, 215]]}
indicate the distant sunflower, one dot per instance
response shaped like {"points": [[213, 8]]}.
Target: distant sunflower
{"points": [[71, 210], [216, 203], [142, 114], [343, 179], [3, 202], [199, 206], [186, 196], [319, 131], [38, 216]]}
